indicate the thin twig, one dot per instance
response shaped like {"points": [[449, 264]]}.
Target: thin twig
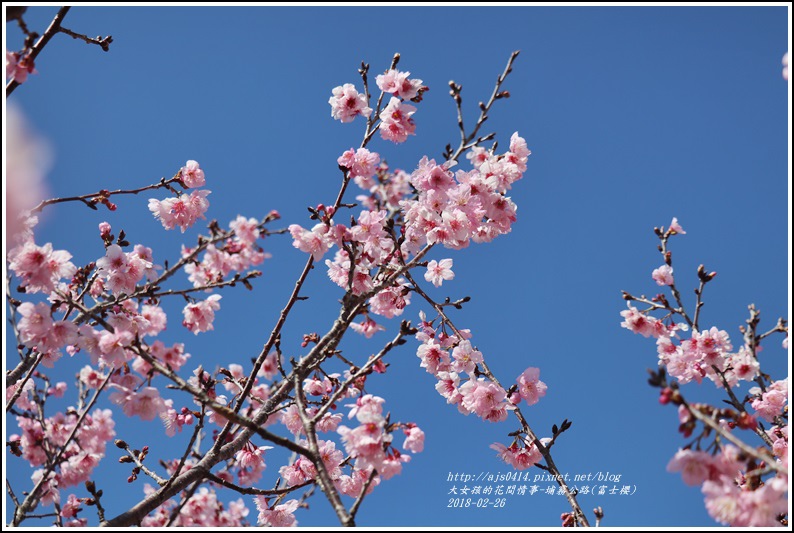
{"points": [[102, 42], [487, 107], [135, 459], [360, 499], [257, 492]]}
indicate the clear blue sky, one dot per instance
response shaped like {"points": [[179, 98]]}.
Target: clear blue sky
{"points": [[633, 115]]}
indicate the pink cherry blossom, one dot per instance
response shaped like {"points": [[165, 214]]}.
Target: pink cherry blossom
{"points": [[270, 366], [91, 378], [485, 399], [396, 122], [252, 457], [390, 302], [293, 474], [347, 103], [676, 227], [695, 466], [18, 67], [368, 408], [438, 271], [663, 275], [105, 230], [414, 439], [40, 267], [361, 164], [519, 457], [354, 484], [398, 84], [71, 507], [447, 386], [145, 403], [641, 323], [519, 153], [434, 359], [367, 327], [772, 402], [173, 420], [78, 468], [122, 271], [328, 423], [145, 254], [365, 443], [191, 175], [313, 242], [183, 211], [330, 456], [245, 229], [465, 358], [291, 418], [58, 390], [35, 324], [279, 516], [393, 464], [112, 348], [199, 316], [530, 387]]}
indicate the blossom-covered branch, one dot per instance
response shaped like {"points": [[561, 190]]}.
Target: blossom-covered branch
{"points": [[743, 485]]}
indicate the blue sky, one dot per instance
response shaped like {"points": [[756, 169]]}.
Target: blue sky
{"points": [[634, 115]]}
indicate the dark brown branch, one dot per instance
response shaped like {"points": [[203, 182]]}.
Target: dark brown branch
{"points": [[41, 43]]}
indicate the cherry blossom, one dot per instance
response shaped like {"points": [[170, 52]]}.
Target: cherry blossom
{"points": [[183, 211], [313, 242], [663, 275], [18, 67], [367, 327], [396, 122], [347, 103], [398, 84], [145, 403], [530, 387], [676, 227], [414, 439], [40, 268], [362, 165], [772, 402], [438, 271], [519, 457], [199, 316], [191, 175], [641, 323], [173, 420], [281, 515], [122, 271]]}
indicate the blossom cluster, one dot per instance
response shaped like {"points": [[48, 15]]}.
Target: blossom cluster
{"points": [[109, 312], [736, 483], [733, 495], [41, 439], [448, 209]]}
